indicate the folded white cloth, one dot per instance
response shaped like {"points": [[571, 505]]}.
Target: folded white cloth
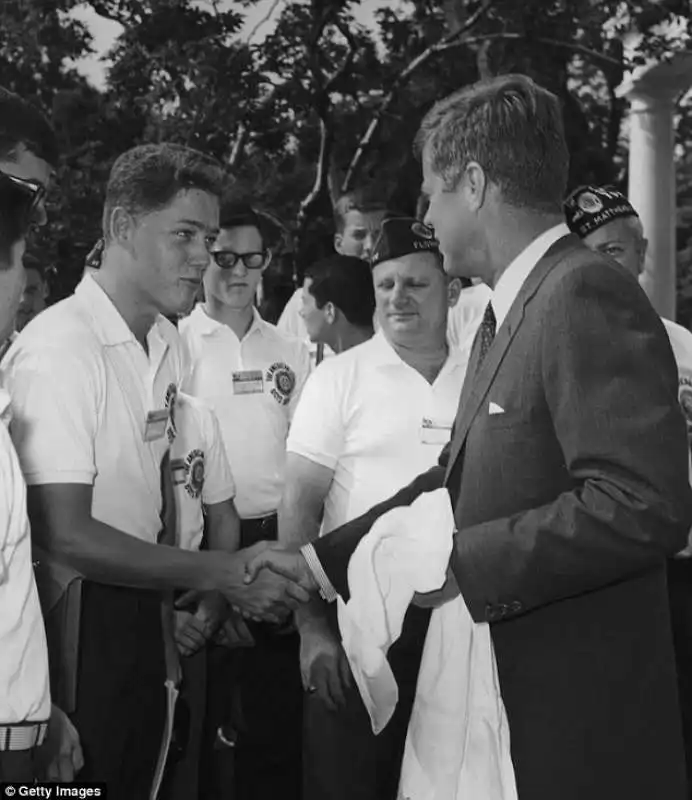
{"points": [[457, 746]]}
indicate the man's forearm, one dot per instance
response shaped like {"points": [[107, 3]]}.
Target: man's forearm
{"points": [[104, 554], [223, 527]]}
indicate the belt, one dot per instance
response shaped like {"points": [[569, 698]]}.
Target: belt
{"points": [[23, 737]]}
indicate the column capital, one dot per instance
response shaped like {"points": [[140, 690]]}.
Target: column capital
{"points": [[659, 83]]}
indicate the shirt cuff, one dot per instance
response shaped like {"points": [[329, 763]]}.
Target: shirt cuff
{"points": [[327, 591]]}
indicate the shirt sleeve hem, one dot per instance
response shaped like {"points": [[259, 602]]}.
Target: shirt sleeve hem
{"points": [[41, 478], [322, 459], [220, 496]]}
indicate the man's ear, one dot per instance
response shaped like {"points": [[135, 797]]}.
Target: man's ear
{"points": [[330, 312], [454, 287], [338, 242], [475, 185], [122, 226]]}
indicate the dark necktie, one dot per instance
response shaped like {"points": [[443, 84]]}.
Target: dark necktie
{"points": [[486, 334]]}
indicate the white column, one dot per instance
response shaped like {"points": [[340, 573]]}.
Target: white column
{"points": [[652, 90], [652, 192]]}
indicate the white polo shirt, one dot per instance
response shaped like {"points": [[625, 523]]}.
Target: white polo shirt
{"points": [[252, 385], [375, 421], [24, 686], [201, 474], [90, 406]]}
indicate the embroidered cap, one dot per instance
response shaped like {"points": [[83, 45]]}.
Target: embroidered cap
{"points": [[401, 236], [590, 207]]}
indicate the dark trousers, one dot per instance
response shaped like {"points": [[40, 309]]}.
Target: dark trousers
{"points": [[268, 751], [343, 759], [181, 781], [121, 703], [18, 766], [680, 596]]}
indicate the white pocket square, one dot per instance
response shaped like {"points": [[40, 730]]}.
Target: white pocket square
{"points": [[493, 408]]}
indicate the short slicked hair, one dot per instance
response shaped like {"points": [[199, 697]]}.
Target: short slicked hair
{"points": [[510, 126], [23, 124], [147, 178], [345, 281]]}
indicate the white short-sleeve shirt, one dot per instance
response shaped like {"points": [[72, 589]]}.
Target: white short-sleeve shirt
{"points": [[375, 421], [201, 474], [91, 406], [252, 385], [24, 685]]}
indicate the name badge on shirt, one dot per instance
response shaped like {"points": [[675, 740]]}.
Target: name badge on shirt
{"points": [[249, 381], [156, 424], [435, 431]]}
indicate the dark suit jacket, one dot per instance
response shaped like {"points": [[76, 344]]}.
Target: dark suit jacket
{"points": [[567, 505]]}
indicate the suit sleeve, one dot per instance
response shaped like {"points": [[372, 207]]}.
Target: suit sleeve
{"points": [[335, 549], [610, 386]]}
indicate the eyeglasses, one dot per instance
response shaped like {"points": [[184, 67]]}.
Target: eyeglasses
{"points": [[19, 200], [227, 259]]}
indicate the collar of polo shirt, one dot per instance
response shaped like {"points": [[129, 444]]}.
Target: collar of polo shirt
{"points": [[204, 325], [384, 355], [112, 328]]}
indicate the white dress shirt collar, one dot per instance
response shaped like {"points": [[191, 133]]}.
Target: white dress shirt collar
{"points": [[513, 278]]}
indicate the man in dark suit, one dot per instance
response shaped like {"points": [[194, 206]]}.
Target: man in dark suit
{"points": [[567, 467]]}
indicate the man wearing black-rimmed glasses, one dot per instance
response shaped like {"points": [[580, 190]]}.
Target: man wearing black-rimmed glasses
{"points": [[252, 375]]}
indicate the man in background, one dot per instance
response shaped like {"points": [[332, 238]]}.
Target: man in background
{"points": [[338, 302], [35, 292], [251, 374], [607, 222], [38, 742], [357, 220], [369, 420]]}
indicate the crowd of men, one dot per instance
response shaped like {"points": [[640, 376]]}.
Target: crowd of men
{"points": [[183, 483]]}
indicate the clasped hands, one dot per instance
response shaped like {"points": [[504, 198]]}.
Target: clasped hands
{"points": [[267, 581]]}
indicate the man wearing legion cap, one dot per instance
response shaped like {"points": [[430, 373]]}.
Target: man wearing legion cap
{"points": [[607, 222], [369, 420]]}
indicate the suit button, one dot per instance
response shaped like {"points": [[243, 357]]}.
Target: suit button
{"points": [[516, 607], [492, 613]]}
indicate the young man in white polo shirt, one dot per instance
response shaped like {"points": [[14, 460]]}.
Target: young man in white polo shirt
{"points": [[252, 375], [205, 513], [25, 704], [368, 420], [92, 380]]}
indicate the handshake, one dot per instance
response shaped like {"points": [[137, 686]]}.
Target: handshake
{"points": [[266, 581]]}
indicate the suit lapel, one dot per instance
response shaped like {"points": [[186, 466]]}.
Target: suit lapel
{"points": [[477, 384]]}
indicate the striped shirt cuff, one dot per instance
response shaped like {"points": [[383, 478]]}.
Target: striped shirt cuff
{"points": [[327, 591]]}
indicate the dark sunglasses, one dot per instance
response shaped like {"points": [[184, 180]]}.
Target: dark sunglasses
{"points": [[227, 259], [20, 199]]}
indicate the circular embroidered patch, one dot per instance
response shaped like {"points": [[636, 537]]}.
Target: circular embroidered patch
{"points": [[282, 379], [422, 230], [589, 203], [194, 468]]}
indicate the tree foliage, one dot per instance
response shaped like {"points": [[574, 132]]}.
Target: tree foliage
{"points": [[323, 102]]}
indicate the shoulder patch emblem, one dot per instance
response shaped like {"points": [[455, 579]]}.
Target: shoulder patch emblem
{"points": [[194, 469]]}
